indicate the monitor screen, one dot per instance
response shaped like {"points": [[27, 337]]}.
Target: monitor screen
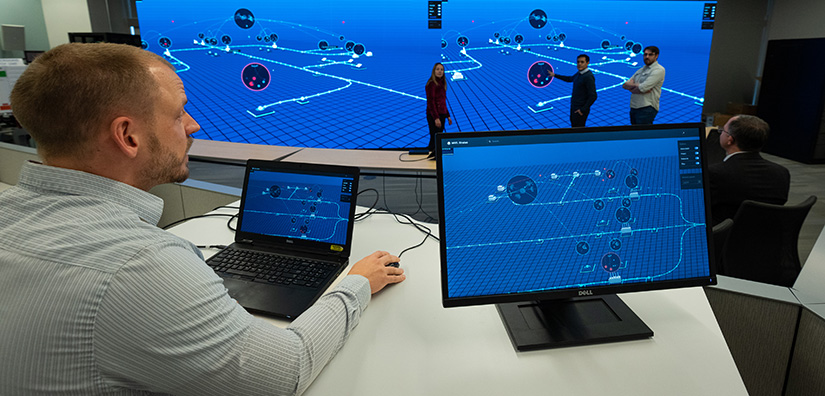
{"points": [[557, 214], [351, 74], [31, 56]]}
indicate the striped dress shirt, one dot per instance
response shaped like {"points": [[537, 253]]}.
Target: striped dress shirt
{"points": [[95, 299]]}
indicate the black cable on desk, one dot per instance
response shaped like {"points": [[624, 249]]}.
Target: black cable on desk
{"points": [[371, 210], [401, 158]]}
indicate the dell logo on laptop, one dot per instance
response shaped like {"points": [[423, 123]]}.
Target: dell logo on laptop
{"points": [[585, 292]]}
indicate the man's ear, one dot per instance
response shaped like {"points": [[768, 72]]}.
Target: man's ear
{"points": [[124, 134]]}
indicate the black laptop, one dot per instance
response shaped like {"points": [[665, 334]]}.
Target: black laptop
{"points": [[293, 238]]}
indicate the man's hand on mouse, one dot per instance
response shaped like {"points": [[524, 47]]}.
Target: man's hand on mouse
{"points": [[375, 268]]}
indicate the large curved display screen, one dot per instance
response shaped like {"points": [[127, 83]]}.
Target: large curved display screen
{"points": [[351, 74]]}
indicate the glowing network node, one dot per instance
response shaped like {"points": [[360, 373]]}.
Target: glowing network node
{"points": [[500, 188], [538, 75], [273, 37], [628, 45], [457, 76], [611, 173], [491, 198], [611, 262], [605, 44], [462, 41], [616, 244], [200, 35], [496, 35], [582, 248], [637, 48], [554, 176], [368, 54], [597, 173], [522, 190], [598, 204], [537, 18], [623, 215], [145, 45], [518, 39], [626, 202], [562, 37], [631, 181], [226, 39], [323, 44], [576, 174], [274, 191], [165, 42], [349, 45], [443, 43], [244, 18], [359, 49], [255, 76]]}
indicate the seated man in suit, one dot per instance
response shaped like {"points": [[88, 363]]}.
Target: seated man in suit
{"points": [[744, 174]]}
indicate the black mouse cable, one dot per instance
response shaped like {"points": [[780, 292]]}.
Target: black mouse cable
{"points": [[371, 210], [428, 233]]}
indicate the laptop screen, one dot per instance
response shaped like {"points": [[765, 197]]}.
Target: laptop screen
{"points": [[298, 204]]}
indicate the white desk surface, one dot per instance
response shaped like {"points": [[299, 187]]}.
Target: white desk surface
{"points": [[408, 344]]}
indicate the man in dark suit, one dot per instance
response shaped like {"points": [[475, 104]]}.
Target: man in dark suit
{"points": [[744, 174], [584, 91]]}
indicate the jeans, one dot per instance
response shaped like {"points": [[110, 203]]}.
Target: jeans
{"points": [[644, 115]]}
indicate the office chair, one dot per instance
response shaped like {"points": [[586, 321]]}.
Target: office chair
{"points": [[762, 245], [720, 238]]}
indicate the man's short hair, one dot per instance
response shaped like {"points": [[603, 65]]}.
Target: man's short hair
{"points": [[652, 48], [68, 94], [586, 58], [750, 132]]}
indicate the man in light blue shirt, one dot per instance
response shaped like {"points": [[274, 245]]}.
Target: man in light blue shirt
{"points": [[645, 88], [94, 298]]}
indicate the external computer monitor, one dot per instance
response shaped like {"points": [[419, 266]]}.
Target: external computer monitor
{"points": [[551, 224]]}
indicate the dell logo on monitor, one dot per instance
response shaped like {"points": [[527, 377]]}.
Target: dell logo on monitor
{"points": [[585, 292]]}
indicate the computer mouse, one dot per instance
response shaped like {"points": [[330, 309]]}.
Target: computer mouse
{"points": [[392, 265]]}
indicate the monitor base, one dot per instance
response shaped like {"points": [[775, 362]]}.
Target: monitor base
{"points": [[539, 325]]}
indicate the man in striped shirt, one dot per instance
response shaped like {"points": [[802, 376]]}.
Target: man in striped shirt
{"points": [[94, 298]]}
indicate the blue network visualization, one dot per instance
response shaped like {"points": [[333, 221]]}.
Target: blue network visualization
{"points": [[573, 215], [298, 206], [335, 74]]}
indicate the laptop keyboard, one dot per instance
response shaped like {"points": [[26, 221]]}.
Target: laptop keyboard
{"points": [[271, 268]]}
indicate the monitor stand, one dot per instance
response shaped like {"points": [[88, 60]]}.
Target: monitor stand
{"points": [[548, 324]]}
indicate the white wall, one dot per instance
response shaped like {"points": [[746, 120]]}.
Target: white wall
{"points": [[64, 16]]}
